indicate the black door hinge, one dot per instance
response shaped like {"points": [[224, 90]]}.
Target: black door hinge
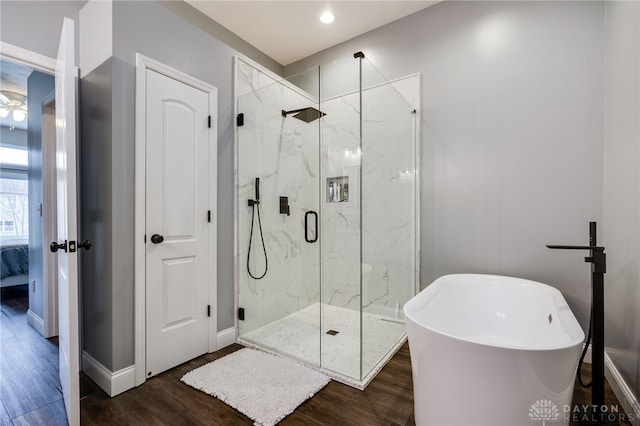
{"points": [[145, 238], [241, 314], [208, 310], [209, 121], [240, 120], [209, 216]]}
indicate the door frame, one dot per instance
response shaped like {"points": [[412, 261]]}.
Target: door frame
{"points": [[50, 260], [49, 266], [143, 64]]}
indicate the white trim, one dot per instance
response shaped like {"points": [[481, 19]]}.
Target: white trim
{"points": [[236, 257], [123, 380], [139, 223], [143, 64], [213, 207], [49, 217], [35, 321], [112, 383], [27, 57], [226, 338]]}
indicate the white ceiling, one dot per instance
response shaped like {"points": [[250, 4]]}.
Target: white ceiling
{"points": [[288, 31]]}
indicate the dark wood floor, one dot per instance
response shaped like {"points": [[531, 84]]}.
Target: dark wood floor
{"points": [[29, 383], [164, 400]]}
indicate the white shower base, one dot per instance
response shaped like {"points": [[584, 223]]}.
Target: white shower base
{"points": [[297, 335]]}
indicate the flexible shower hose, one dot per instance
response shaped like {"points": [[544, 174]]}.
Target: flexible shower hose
{"points": [[254, 207], [584, 352]]}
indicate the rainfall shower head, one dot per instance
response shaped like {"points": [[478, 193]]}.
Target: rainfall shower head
{"points": [[305, 114]]}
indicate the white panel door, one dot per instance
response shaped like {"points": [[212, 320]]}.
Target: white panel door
{"points": [[66, 96], [177, 204]]}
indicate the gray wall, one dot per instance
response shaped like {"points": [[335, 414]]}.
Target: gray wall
{"points": [[96, 213], [19, 19], [108, 164], [622, 189], [512, 124], [217, 31], [180, 36], [194, 52], [39, 86]]}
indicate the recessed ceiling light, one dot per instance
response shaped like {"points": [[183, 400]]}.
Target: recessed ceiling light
{"points": [[327, 17]]}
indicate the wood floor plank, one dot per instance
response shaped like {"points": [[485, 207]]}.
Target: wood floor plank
{"points": [[52, 414], [387, 401], [29, 362], [4, 417]]}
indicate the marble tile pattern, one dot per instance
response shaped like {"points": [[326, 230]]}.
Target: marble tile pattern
{"points": [[389, 231], [386, 222], [283, 153], [301, 336], [340, 230]]}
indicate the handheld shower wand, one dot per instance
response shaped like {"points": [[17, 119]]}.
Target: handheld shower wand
{"points": [[251, 202], [255, 207], [258, 189]]}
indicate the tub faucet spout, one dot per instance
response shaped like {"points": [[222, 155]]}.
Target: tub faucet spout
{"points": [[598, 260]]}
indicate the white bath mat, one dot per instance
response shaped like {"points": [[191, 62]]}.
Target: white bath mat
{"points": [[264, 387]]}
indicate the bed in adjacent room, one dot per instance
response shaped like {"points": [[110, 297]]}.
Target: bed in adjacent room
{"points": [[14, 265]]}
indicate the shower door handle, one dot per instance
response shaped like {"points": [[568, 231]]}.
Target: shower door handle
{"points": [[306, 226]]}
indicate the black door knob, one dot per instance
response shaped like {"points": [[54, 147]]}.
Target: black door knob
{"points": [[55, 246], [157, 238], [86, 244]]}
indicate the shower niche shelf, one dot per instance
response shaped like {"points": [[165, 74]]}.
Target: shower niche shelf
{"points": [[338, 189]]}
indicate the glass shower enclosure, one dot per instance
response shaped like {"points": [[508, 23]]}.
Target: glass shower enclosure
{"points": [[326, 215]]}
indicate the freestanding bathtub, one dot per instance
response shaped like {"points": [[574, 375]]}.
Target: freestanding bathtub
{"points": [[492, 350]]}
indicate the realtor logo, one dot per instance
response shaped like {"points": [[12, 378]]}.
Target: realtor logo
{"points": [[544, 410]]}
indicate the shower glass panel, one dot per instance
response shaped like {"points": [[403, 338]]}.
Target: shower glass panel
{"points": [[334, 150], [279, 311], [388, 214], [340, 217]]}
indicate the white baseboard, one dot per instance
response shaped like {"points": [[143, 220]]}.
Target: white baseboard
{"points": [[112, 383], [226, 337], [35, 321], [622, 391]]}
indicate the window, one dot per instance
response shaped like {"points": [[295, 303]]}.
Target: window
{"points": [[10, 156], [14, 195], [7, 226]]}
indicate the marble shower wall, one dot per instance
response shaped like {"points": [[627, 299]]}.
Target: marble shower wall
{"points": [[283, 153], [386, 221], [340, 221], [389, 203]]}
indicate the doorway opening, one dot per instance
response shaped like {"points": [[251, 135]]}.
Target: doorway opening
{"points": [[28, 281]]}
